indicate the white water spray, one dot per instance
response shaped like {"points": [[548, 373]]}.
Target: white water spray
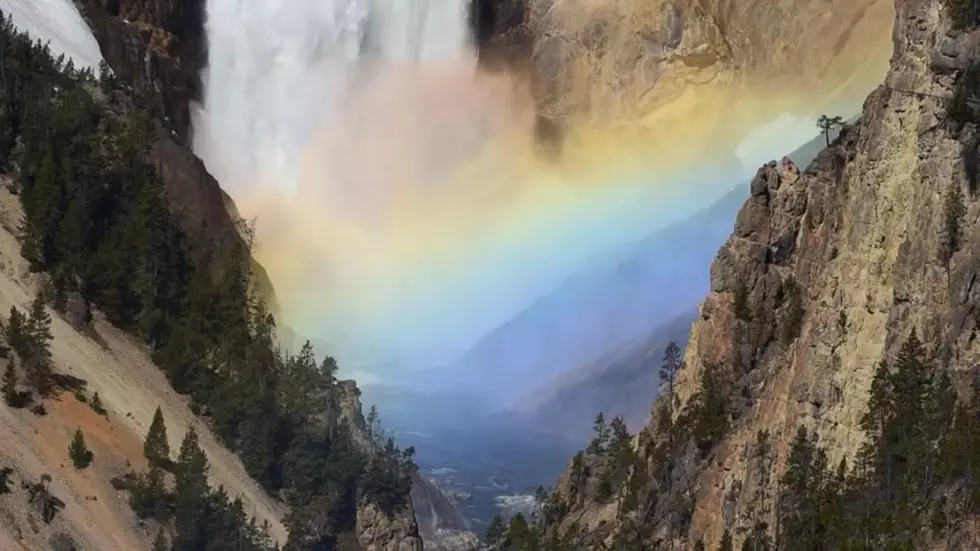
{"points": [[280, 69], [335, 122]]}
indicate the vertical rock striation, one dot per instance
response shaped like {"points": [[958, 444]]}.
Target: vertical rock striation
{"points": [[826, 273]]}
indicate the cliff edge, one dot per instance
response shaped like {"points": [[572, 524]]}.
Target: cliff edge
{"points": [[833, 278]]}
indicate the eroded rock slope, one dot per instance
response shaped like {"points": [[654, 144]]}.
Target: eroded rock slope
{"points": [[826, 274]]}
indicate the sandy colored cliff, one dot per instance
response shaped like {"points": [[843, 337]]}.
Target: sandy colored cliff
{"points": [[860, 232]]}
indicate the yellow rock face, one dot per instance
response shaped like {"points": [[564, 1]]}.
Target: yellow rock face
{"points": [[626, 66]]}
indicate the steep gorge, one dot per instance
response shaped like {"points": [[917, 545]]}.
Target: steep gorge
{"points": [[786, 216], [861, 242]]}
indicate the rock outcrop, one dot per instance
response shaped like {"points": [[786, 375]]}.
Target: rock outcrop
{"points": [[377, 531], [618, 60], [826, 273], [158, 46], [441, 525]]}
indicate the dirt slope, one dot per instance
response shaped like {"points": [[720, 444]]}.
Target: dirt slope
{"points": [[131, 388]]}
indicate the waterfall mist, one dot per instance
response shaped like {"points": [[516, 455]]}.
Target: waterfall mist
{"points": [[331, 121], [402, 211]]}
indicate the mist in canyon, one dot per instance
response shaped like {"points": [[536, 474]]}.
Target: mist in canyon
{"points": [[415, 229]]}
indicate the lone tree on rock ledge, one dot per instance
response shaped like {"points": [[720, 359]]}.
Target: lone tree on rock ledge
{"points": [[827, 124], [155, 447], [81, 456]]}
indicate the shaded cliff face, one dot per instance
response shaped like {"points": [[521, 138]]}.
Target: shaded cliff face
{"points": [[158, 45], [859, 234]]}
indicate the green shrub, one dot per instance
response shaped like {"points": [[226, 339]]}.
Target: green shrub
{"points": [[81, 456], [96, 404], [793, 321], [954, 211]]}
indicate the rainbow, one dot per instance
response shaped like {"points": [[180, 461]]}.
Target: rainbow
{"points": [[420, 214]]}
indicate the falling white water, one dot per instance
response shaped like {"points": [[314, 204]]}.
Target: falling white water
{"points": [[280, 69]]}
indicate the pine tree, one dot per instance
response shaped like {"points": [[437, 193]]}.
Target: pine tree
{"points": [[9, 387], [520, 536], [37, 363], [710, 413], [148, 496], [16, 337], [39, 321], [829, 124], [190, 494], [668, 370], [600, 443], [496, 530], [954, 211], [619, 433], [793, 319], [160, 542], [81, 456], [329, 370], [371, 421], [155, 447], [726, 542]]}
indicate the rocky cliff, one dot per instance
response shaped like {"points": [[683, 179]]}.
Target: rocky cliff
{"points": [[826, 274], [619, 60], [430, 518], [441, 525], [158, 46]]}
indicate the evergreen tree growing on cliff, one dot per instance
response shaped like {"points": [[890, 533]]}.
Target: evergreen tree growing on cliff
{"points": [[190, 495], [710, 412], [668, 370], [800, 486], [9, 388], [373, 422], [496, 530], [954, 211], [156, 449], [829, 124], [794, 311], [37, 335], [148, 494], [81, 456], [15, 332], [600, 442]]}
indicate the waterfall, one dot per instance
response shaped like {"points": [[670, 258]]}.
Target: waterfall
{"points": [[280, 69], [335, 123]]}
